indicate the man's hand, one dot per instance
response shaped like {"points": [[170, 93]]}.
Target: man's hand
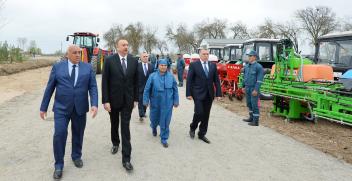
{"points": [[94, 111], [218, 98], [244, 90], [42, 115], [189, 97], [254, 93], [107, 107]]}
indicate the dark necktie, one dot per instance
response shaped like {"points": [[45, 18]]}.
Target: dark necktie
{"points": [[145, 69], [73, 75], [124, 67], [205, 69]]}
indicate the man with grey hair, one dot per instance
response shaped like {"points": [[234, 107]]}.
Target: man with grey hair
{"points": [[144, 70], [73, 80], [202, 77]]}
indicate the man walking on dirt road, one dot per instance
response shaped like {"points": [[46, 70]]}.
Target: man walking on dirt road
{"points": [[73, 80], [120, 96]]}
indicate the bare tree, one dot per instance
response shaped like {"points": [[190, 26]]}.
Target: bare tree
{"points": [[317, 21], [150, 41], [214, 29], [291, 31], [267, 30], [347, 24], [134, 36], [184, 40], [239, 30], [22, 41], [114, 33], [162, 46]]}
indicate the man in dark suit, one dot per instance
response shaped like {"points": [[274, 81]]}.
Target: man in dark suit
{"points": [[201, 79], [120, 96], [144, 70], [73, 80]]}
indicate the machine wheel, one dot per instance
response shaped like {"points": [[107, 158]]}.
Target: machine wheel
{"points": [[239, 97], [230, 97], [94, 62], [263, 96]]}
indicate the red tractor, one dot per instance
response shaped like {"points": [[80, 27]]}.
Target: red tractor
{"points": [[91, 53]]}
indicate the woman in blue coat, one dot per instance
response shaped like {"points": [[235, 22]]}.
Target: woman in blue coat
{"points": [[162, 94]]}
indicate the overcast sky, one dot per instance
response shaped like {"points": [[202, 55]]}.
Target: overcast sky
{"points": [[49, 21]]}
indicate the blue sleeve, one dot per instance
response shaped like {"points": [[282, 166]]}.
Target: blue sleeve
{"points": [[49, 90], [260, 77], [93, 88], [147, 90], [176, 97]]}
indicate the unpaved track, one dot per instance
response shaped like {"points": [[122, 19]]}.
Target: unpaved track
{"points": [[237, 151]]}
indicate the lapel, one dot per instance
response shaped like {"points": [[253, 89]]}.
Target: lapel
{"points": [[67, 74], [118, 64], [129, 64], [80, 71]]}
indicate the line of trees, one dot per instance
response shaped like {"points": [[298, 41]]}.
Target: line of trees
{"points": [[310, 22]]}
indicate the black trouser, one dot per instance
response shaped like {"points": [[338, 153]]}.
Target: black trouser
{"points": [[125, 131], [141, 108], [201, 115]]}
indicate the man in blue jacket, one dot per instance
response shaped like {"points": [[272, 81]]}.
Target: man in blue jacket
{"points": [[253, 78], [180, 68], [73, 80]]}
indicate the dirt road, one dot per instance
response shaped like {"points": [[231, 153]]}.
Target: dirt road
{"points": [[237, 151]]}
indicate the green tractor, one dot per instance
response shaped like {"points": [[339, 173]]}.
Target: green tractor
{"points": [[91, 53]]}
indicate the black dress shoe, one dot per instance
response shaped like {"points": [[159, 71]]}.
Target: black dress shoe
{"points": [[57, 174], [128, 166], [114, 149], [78, 163], [191, 133], [205, 139]]}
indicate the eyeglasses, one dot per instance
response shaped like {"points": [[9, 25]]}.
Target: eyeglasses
{"points": [[145, 56]]}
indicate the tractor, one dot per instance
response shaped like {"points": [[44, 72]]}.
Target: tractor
{"points": [[335, 49], [91, 53]]}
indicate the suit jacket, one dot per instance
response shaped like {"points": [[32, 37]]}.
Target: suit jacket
{"points": [[119, 89], [198, 85], [142, 79], [68, 96]]}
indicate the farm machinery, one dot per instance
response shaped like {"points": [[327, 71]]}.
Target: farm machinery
{"points": [[91, 53], [302, 89]]}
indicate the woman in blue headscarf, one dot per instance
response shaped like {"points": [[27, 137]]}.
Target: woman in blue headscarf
{"points": [[162, 94]]}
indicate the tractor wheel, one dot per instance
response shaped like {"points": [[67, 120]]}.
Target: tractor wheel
{"points": [[99, 62], [239, 97], [230, 97], [94, 62]]}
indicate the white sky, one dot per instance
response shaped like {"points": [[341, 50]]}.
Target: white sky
{"points": [[49, 21]]}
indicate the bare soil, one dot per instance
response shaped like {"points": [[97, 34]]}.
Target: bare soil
{"points": [[329, 137]]}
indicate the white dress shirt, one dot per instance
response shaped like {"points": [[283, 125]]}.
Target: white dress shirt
{"points": [[125, 57]]}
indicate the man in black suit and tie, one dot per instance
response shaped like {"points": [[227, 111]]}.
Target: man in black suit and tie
{"points": [[120, 96], [201, 79], [144, 70]]}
